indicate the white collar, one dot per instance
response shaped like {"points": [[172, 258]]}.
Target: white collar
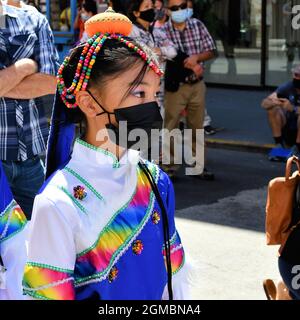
{"points": [[92, 156]]}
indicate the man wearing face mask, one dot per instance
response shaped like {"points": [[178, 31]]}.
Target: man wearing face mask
{"points": [[283, 108], [185, 88]]}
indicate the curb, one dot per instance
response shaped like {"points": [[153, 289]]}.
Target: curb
{"points": [[239, 145]]}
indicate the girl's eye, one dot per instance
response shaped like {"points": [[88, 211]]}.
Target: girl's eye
{"points": [[139, 94], [157, 94]]}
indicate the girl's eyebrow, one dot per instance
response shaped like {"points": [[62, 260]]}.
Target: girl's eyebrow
{"points": [[143, 83]]}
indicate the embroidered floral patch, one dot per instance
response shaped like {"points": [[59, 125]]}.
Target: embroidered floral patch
{"points": [[155, 217], [113, 274], [137, 247], [79, 192]]}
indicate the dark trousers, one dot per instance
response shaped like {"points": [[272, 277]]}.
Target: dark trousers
{"points": [[25, 179]]}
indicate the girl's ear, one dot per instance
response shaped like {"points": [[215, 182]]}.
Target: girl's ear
{"points": [[87, 104]]}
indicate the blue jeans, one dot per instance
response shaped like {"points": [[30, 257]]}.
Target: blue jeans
{"points": [[288, 277], [25, 179]]}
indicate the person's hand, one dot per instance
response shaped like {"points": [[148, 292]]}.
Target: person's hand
{"points": [[286, 105], [26, 66], [157, 51], [198, 70], [191, 62], [275, 101]]}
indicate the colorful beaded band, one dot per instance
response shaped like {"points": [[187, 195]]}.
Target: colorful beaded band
{"points": [[85, 65]]}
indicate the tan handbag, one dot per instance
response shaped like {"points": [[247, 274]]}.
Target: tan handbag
{"points": [[279, 209]]}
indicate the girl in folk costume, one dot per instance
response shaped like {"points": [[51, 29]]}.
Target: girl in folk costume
{"points": [[103, 225], [13, 230]]}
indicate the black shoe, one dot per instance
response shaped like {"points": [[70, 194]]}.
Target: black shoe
{"points": [[205, 175], [209, 130]]}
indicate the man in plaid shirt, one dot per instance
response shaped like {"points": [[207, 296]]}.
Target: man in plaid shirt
{"points": [[191, 38], [28, 64]]}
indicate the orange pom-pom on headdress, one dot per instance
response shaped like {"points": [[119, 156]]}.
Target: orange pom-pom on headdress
{"points": [[108, 22], [103, 26]]}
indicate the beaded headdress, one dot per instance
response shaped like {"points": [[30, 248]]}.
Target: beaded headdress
{"points": [[103, 26]]}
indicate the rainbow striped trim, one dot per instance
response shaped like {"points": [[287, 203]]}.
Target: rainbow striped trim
{"points": [[12, 221], [177, 253], [48, 283], [95, 263]]}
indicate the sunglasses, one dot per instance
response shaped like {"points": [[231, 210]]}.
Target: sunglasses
{"points": [[180, 7]]}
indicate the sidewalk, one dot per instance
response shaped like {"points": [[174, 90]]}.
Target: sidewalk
{"points": [[239, 112]]}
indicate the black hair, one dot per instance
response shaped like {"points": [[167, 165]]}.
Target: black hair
{"points": [[134, 6], [90, 6], [113, 59], [120, 6]]}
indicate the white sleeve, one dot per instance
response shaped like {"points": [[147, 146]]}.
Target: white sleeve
{"points": [[13, 253], [181, 284], [166, 46], [51, 251]]}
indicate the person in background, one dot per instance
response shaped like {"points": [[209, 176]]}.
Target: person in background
{"points": [[283, 109], [160, 14], [89, 9], [78, 23], [28, 65], [195, 45], [289, 258], [288, 261], [142, 14], [65, 20], [120, 6], [208, 128], [43, 103]]}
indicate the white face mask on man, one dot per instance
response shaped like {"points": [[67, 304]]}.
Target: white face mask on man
{"points": [[180, 16]]}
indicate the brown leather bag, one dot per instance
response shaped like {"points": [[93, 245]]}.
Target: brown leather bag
{"points": [[279, 209]]}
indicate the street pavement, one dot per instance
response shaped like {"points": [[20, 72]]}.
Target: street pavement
{"points": [[222, 225]]}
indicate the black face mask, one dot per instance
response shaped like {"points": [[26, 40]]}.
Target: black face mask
{"points": [[296, 83], [142, 116], [147, 15]]}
